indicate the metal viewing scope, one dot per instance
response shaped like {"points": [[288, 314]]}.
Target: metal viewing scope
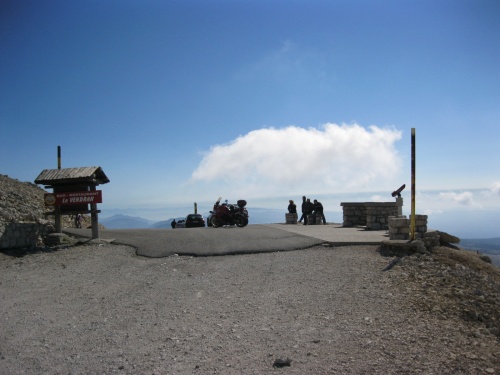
{"points": [[398, 192]]}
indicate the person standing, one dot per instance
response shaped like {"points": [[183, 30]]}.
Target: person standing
{"points": [[173, 224], [309, 207], [78, 220], [318, 209], [303, 208]]}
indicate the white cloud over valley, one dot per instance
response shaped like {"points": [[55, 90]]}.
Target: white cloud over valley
{"points": [[495, 188], [328, 159], [465, 198]]}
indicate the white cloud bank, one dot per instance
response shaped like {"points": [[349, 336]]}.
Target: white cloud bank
{"points": [[330, 159], [465, 198], [495, 188]]}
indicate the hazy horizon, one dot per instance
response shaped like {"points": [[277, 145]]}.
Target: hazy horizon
{"points": [[461, 223]]}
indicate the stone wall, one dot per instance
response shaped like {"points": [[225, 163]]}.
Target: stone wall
{"points": [[354, 214], [377, 214], [373, 215], [21, 235], [400, 227]]}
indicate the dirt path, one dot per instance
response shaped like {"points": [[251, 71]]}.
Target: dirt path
{"points": [[103, 310]]}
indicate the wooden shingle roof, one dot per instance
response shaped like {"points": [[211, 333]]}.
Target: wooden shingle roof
{"points": [[90, 175]]}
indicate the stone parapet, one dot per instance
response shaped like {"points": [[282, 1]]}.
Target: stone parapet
{"points": [[354, 214], [373, 215], [377, 215]]}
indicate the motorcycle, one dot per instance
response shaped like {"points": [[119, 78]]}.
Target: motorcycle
{"points": [[229, 214]]}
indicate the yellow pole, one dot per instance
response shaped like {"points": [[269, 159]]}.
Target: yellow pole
{"points": [[412, 221]]}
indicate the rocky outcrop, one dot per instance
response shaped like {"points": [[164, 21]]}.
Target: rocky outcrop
{"points": [[446, 238], [20, 201], [423, 245], [450, 282], [23, 223], [22, 214]]}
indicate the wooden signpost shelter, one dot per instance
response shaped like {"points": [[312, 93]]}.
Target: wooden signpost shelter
{"points": [[74, 190]]}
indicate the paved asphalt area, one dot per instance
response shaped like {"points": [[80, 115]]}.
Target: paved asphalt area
{"points": [[257, 238]]}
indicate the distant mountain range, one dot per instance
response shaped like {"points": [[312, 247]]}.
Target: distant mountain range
{"points": [[162, 224], [126, 222], [134, 222], [257, 216]]}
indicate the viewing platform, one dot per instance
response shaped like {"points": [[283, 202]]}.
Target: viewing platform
{"points": [[257, 238]]}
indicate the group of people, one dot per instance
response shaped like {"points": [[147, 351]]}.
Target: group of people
{"points": [[315, 208]]}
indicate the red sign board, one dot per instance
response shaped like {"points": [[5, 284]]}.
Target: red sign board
{"points": [[73, 198]]}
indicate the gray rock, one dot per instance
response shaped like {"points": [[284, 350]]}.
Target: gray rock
{"points": [[447, 238]]}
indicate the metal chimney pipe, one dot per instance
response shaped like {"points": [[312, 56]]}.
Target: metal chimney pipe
{"points": [[58, 157]]}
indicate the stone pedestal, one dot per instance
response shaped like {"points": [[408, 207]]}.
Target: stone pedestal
{"points": [[399, 204], [420, 225], [310, 219], [399, 228], [291, 218]]}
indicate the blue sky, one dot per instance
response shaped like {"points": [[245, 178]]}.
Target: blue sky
{"points": [[183, 101]]}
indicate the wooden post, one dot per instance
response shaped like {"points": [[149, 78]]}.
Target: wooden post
{"points": [[57, 219], [57, 216], [94, 217], [412, 222]]}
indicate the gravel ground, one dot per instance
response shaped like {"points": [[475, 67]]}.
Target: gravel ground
{"points": [[103, 310]]}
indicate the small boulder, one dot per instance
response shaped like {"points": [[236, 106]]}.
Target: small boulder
{"points": [[282, 362], [447, 238]]}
